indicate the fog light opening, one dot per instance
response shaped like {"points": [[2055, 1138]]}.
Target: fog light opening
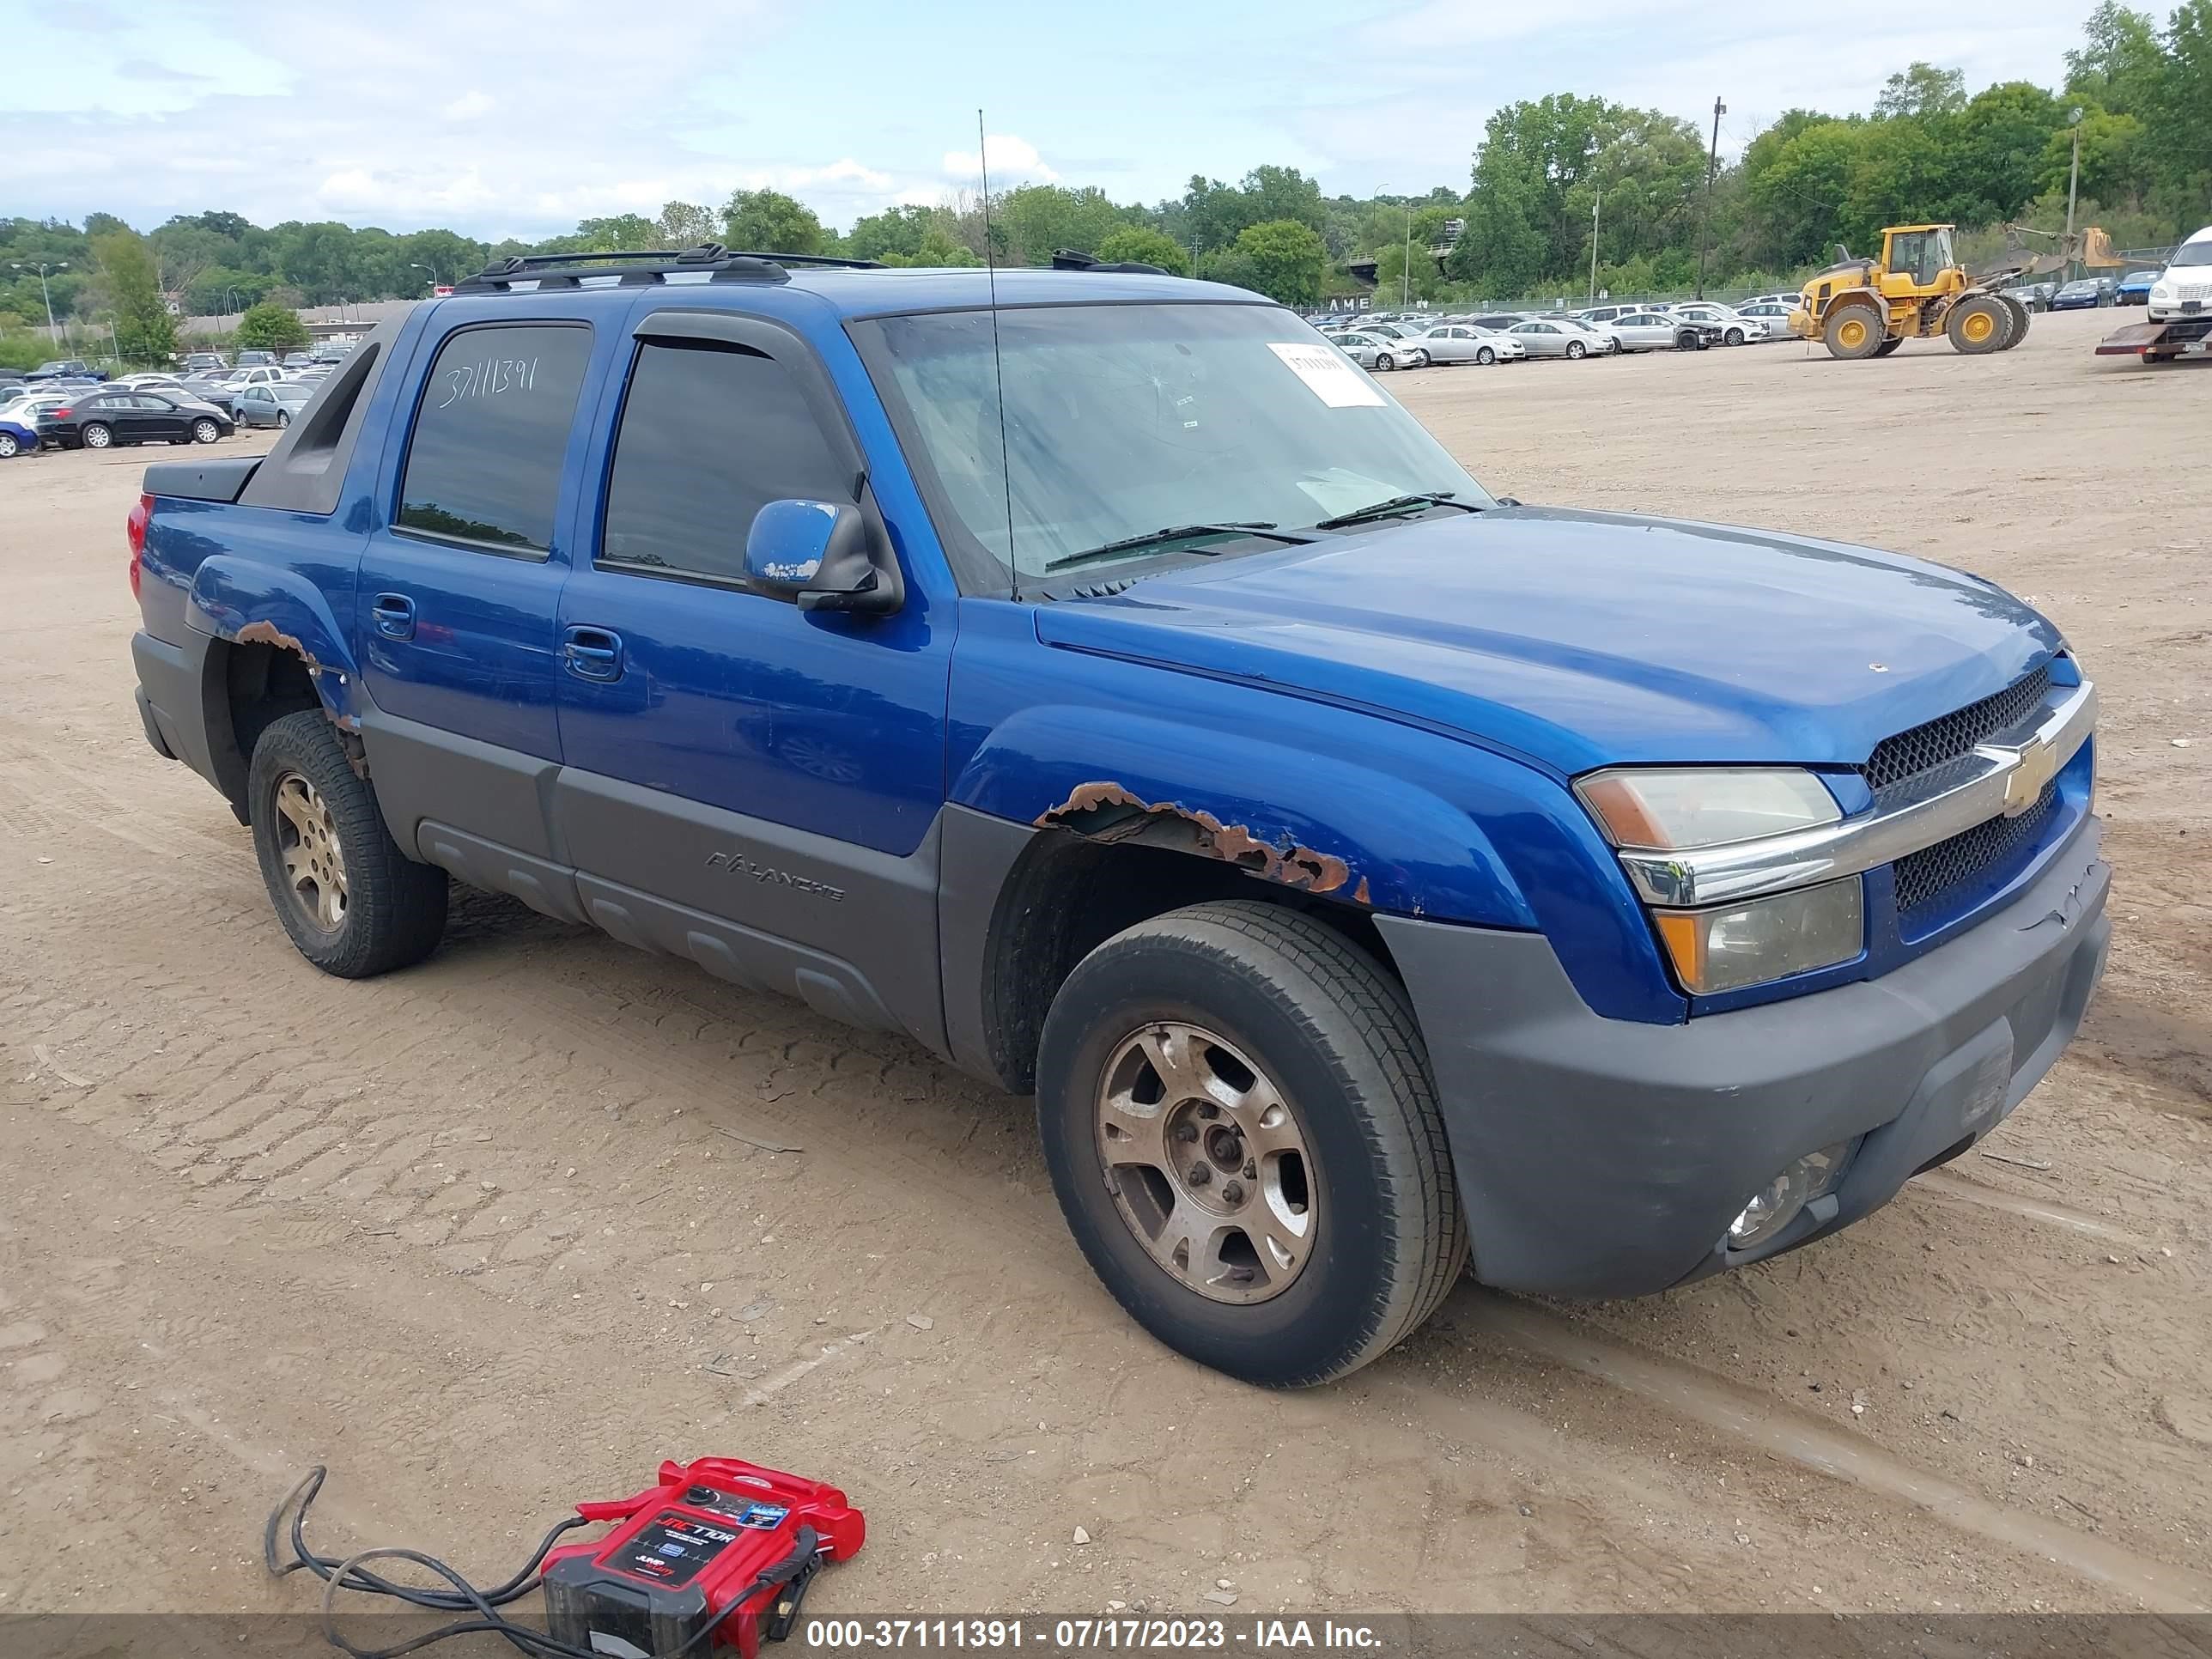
{"points": [[1777, 1204]]}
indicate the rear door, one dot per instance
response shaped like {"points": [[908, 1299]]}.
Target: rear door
{"points": [[460, 579], [745, 783]]}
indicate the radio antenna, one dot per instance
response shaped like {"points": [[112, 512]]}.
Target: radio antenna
{"points": [[998, 365]]}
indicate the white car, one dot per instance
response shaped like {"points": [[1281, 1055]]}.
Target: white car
{"points": [[1736, 328], [1463, 343], [1409, 353], [1773, 312], [1379, 352], [2183, 289]]}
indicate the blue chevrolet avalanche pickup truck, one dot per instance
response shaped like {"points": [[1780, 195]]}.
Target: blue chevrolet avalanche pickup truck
{"points": [[1097, 678]]}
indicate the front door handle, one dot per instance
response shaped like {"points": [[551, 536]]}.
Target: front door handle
{"points": [[394, 616], [593, 653]]}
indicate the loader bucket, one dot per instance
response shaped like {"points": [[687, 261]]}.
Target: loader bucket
{"points": [[2097, 248]]}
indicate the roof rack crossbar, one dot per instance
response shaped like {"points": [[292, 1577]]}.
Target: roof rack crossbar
{"points": [[640, 267]]}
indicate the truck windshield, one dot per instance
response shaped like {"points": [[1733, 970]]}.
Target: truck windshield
{"points": [[1122, 419]]}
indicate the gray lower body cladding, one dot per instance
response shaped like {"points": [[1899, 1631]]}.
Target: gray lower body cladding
{"points": [[1600, 1157]]}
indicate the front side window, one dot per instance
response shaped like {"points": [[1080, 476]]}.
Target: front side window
{"points": [[483, 465], [710, 435], [1122, 419]]}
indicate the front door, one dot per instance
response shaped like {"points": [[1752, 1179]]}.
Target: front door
{"points": [[745, 783]]}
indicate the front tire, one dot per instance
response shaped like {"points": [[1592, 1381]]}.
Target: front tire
{"points": [[1978, 325], [1384, 362], [283, 419], [1576, 351], [1854, 332], [1485, 357], [1253, 1044], [96, 436], [2018, 321], [353, 904], [205, 431], [1734, 336]]}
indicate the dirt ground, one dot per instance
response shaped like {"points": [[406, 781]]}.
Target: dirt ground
{"points": [[500, 1232]]}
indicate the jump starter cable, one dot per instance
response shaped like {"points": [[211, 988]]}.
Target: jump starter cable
{"points": [[462, 1597]]}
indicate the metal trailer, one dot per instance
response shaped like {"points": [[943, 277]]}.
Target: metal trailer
{"points": [[2160, 343]]}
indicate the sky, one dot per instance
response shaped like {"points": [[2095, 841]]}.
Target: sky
{"points": [[519, 119]]}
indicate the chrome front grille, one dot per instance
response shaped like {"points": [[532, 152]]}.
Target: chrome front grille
{"points": [[1941, 741]]}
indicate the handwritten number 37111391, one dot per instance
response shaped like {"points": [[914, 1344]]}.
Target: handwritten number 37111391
{"points": [[491, 378]]}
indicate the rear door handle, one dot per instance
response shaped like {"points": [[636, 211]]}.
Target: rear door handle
{"points": [[593, 653], [394, 616]]}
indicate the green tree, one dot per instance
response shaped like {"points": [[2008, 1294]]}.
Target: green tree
{"points": [[896, 233], [2181, 110], [685, 224], [272, 327], [2119, 62], [612, 235], [1996, 150], [1284, 259], [144, 330], [1141, 245], [1924, 90], [936, 246], [768, 222], [1040, 220]]}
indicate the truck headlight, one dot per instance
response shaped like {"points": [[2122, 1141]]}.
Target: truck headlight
{"points": [[1672, 808], [1733, 945]]}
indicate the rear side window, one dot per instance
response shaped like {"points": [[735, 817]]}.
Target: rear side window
{"points": [[710, 434], [483, 465]]}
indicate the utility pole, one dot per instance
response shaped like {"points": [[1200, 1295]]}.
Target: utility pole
{"points": [[44, 293], [2073, 180], [1596, 202], [432, 270], [1712, 167]]}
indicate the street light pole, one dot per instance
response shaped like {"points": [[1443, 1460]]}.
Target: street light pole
{"points": [[412, 265], [1712, 167], [1596, 202], [1406, 270]]}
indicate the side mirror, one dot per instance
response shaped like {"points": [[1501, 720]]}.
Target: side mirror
{"points": [[818, 554]]}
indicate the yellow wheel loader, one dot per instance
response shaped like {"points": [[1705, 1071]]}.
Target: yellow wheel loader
{"points": [[1917, 289]]}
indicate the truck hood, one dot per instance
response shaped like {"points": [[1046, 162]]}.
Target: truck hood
{"points": [[1580, 639]]}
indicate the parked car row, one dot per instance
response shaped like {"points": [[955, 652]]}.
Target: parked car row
{"points": [[1416, 340]]}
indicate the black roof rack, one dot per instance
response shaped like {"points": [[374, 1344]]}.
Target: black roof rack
{"points": [[1068, 258], [644, 267]]}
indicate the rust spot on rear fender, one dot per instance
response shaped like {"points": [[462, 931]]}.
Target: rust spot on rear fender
{"points": [[1108, 813], [267, 633]]}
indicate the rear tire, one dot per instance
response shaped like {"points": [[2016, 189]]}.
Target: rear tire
{"points": [[96, 436], [1248, 1003], [353, 904], [7, 445], [1853, 331], [1978, 325]]}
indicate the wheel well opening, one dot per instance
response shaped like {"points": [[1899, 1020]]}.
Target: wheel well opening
{"points": [[258, 684], [1068, 896]]}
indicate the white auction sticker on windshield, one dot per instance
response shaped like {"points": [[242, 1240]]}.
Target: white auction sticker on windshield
{"points": [[1329, 375]]}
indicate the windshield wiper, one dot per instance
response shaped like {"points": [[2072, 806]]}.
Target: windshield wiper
{"points": [[1398, 504], [1175, 533]]}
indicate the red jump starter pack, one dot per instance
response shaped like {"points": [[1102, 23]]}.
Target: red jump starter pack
{"points": [[713, 1532]]}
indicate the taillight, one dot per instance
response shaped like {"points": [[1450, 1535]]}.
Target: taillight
{"points": [[134, 529], [64, 414]]}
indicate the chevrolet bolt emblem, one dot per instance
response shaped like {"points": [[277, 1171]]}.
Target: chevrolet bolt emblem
{"points": [[2035, 764]]}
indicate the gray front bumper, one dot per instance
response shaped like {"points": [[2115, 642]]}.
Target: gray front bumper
{"points": [[1602, 1158]]}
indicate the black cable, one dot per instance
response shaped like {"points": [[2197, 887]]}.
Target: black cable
{"points": [[326, 1567], [349, 1574]]}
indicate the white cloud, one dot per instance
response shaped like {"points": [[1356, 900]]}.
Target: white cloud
{"points": [[470, 104], [1013, 160]]}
